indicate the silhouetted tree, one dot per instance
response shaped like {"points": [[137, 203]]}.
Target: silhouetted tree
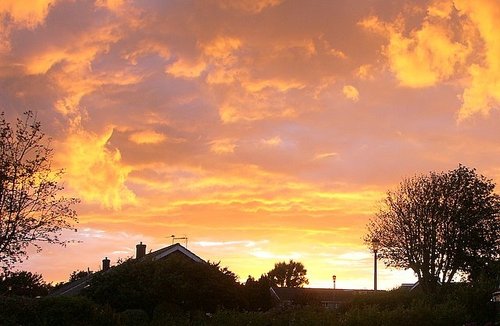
{"points": [[76, 275], [439, 224], [176, 283], [30, 209], [23, 283], [257, 294], [291, 274]]}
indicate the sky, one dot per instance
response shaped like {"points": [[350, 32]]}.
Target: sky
{"points": [[261, 130]]}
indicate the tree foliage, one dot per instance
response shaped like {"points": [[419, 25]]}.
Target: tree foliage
{"points": [[78, 274], [291, 274], [31, 211], [24, 284], [175, 283], [256, 293], [439, 224]]}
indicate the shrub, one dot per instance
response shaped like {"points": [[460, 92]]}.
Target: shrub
{"points": [[54, 311]]}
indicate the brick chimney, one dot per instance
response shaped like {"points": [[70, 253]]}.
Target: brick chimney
{"points": [[105, 264], [140, 250]]}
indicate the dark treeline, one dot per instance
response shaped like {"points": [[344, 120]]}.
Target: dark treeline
{"points": [[181, 292]]}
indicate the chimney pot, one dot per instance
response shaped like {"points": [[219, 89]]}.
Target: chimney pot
{"points": [[140, 250], [105, 264]]}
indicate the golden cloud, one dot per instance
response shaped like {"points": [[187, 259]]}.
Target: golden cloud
{"points": [[26, 13], [351, 93], [222, 146], [322, 156], [439, 50], [252, 6], [110, 4], [272, 142], [95, 171], [186, 69], [483, 92], [80, 52], [146, 47], [425, 58], [279, 85], [147, 137], [20, 14], [221, 55], [365, 72], [222, 49]]}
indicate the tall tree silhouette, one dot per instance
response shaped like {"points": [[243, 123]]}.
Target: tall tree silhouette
{"points": [[291, 274], [439, 224], [31, 210]]}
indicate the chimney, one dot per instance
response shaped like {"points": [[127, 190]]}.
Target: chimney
{"points": [[140, 250], [105, 264]]}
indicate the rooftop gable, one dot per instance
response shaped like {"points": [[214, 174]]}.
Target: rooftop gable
{"points": [[175, 248]]}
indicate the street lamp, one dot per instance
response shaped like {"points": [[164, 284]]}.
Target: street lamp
{"points": [[334, 277], [375, 247]]}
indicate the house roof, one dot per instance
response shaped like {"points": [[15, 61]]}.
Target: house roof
{"points": [[75, 287], [166, 251], [72, 288], [285, 294]]}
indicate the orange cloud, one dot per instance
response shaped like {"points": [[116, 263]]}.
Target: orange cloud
{"points": [[110, 4], [322, 156], [222, 57], [365, 72], [274, 141], [19, 14], [223, 146], [279, 85], [428, 56], [147, 137], [82, 53], [483, 92], [252, 6], [186, 69], [456, 38], [351, 93], [93, 170], [146, 47], [222, 49], [28, 14]]}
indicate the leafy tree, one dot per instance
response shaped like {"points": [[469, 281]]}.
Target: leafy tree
{"points": [[30, 209], [439, 224], [76, 275], [291, 274], [256, 293], [24, 284], [176, 283]]}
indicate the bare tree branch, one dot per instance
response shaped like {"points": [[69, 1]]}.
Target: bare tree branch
{"points": [[31, 211]]}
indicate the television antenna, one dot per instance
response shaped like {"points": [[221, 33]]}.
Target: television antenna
{"points": [[174, 238]]}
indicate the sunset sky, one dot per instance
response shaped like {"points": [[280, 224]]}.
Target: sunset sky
{"points": [[263, 130]]}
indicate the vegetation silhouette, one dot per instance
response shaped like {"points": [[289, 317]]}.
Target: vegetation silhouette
{"points": [[438, 225], [178, 291], [23, 283], [31, 209], [176, 282], [291, 274]]}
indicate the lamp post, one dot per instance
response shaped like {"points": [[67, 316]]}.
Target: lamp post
{"points": [[334, 277], [375, 247]]}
